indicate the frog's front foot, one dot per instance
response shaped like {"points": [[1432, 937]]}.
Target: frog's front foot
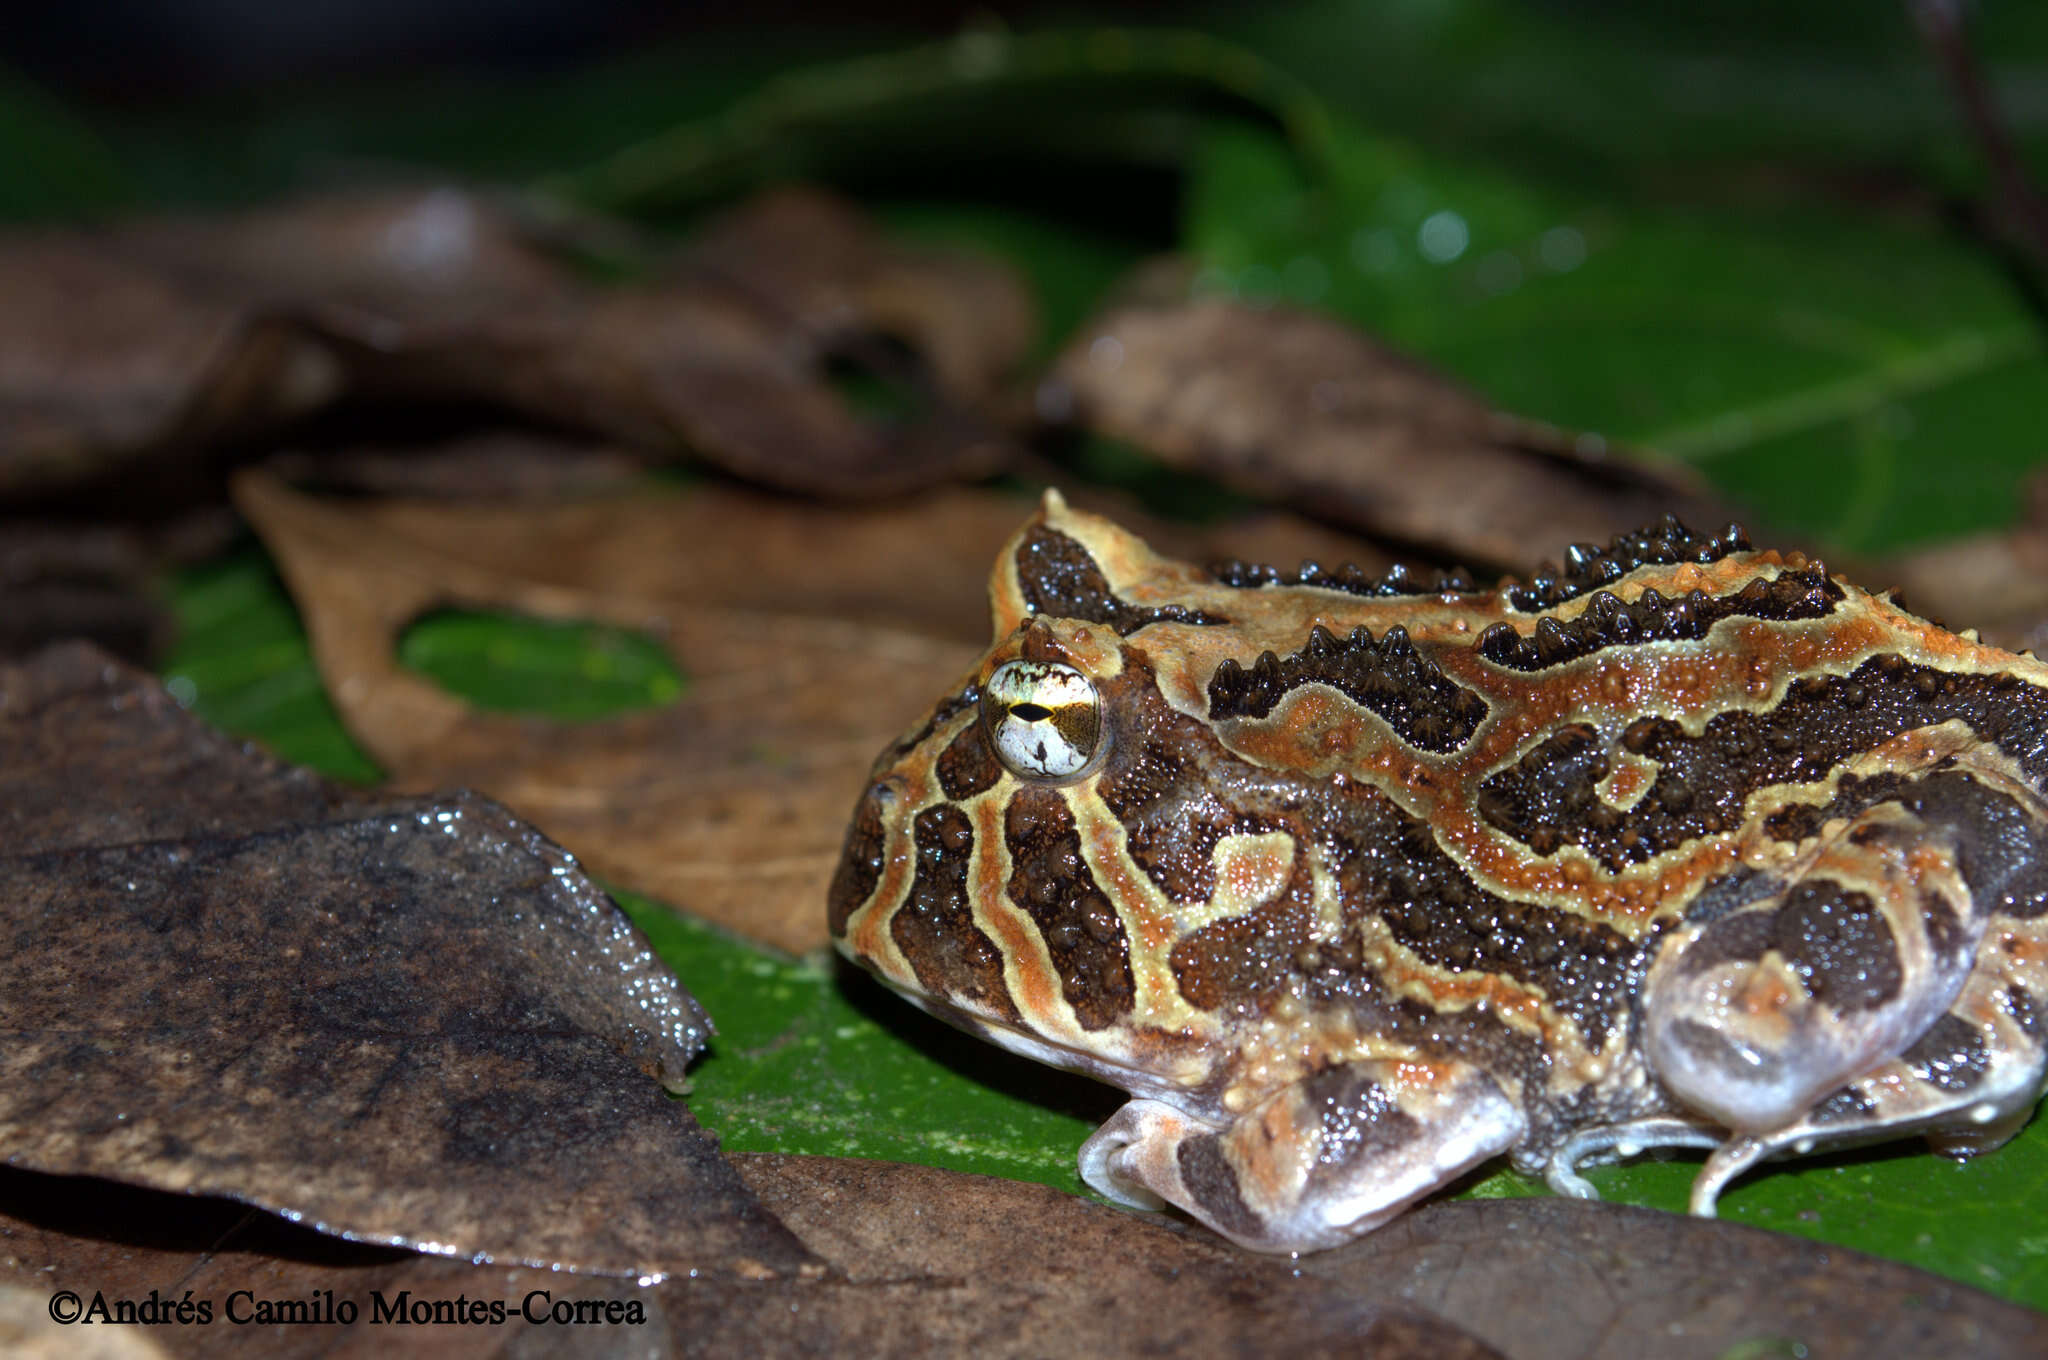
{"points": [[1315, 1163]]}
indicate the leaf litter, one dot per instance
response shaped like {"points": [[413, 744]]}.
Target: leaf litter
{"points": [[373, 1015], [927, 1262], [1296, 408], [137, 363]]}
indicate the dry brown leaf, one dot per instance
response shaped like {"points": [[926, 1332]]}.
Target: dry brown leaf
{"points": [[927, 1262], [1995, 583], [922, 1263], [78, 581], [433, 254], [134, 363], [813, 258], [1565, 1279], [1295, 408], [789, 621], [810, 637], [407, 1021], [507, 464]]}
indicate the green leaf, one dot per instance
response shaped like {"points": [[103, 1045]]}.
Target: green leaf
{"points": [[571, 671], [242, 662], [1590, 93], [1123, 96], [1817, 367], [813, 1056]]}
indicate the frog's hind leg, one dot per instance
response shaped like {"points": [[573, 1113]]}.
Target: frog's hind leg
{"points": [[1315, 1163], [1969, 1083], [1751, 1015]]}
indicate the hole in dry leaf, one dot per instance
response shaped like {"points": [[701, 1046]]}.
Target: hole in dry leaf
{"points": [[516, 663], [880, 378]]}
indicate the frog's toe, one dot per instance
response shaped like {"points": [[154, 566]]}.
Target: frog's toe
{"points": [[1314, 1164], [1120, 1160]]}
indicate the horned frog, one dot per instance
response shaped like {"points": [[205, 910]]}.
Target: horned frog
{"points": [[1355, 882]]}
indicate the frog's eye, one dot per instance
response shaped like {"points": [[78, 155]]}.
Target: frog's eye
{"points": [[1044, 719]]}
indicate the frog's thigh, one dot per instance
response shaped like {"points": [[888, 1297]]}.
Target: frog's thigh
{"points": [[1315, 1163], [1753, 1016], [1969, 1083]]}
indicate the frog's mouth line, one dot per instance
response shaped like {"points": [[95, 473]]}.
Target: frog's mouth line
{"points": [[1139, 1083]]}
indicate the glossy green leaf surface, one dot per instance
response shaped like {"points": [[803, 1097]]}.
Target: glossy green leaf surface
{"points": [[1620, 222], [571, 671], [1859, 383]]}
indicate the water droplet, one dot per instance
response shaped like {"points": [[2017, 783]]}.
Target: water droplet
{"points": [[1442, 237]]}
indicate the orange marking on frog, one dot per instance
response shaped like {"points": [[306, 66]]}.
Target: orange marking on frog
{"points": [[1928, 860], [1466, 989], [1628, 781], [1034, 988], [1765, 996], [866, 929], [1117, 877], [2024, 949]]}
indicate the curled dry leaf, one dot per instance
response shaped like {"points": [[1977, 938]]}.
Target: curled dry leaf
{"points": [[928, 1262], [411, 1021], [1296, 408], [134, 362], [809, 636], [809, 257]]}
